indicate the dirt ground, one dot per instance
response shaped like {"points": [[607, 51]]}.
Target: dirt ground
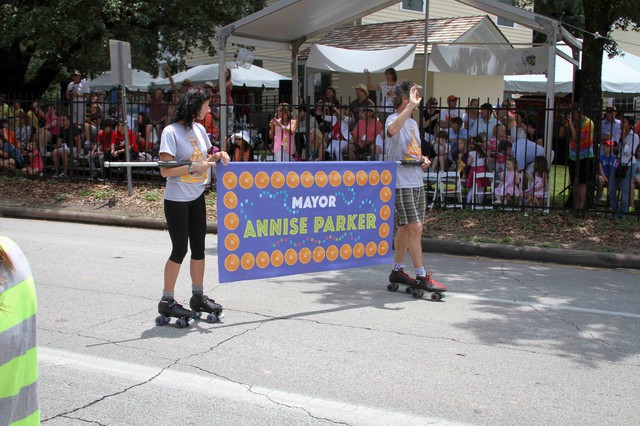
{"points": [[554, 230]]}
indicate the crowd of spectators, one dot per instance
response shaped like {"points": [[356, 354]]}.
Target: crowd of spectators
{"points": [[89, 126]]}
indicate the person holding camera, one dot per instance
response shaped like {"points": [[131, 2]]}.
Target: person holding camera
{"points": [[579, 129]]}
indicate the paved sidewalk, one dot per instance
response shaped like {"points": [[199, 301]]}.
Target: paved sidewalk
{"points": [[535, 254]]}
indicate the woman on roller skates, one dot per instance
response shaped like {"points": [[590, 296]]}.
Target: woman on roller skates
{"points": [[403, 143], [184, 204]]}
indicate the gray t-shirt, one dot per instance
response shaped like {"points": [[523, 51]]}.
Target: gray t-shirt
{"points": [[185, 145], [405, 146]]}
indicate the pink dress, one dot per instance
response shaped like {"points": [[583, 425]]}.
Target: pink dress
{"points": [[537, 188], [508, 185], [283, 140]]}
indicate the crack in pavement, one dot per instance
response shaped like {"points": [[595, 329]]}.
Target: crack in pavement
{"points": [[577, 328]]}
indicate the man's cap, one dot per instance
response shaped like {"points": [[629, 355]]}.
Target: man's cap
{"points": [[608, 142], [452, 98], [75, 72], [208, 84], [186, 81], [244, 135], [362, 87]]}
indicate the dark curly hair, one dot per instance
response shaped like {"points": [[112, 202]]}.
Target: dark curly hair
{"points": [[189, 106]]}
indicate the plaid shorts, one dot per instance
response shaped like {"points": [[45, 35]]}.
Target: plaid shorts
{"points": [[411, 205]]}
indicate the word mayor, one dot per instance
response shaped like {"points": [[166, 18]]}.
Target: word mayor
{"points": [[271, 227]]}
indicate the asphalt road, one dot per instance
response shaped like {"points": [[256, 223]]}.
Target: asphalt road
{"points": [[513, 342]]}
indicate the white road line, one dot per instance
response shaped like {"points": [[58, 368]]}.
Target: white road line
{"points": [[222, 389], [544, 306]]}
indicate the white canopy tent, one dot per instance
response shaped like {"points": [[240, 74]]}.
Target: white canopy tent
{"points": [[620, 74], [254, 76], [350, 61], [140, 81], [300, 20]]}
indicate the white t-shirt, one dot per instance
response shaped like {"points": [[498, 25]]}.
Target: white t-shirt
{"points": [[405, 145], [185, 145], [386, 96]]}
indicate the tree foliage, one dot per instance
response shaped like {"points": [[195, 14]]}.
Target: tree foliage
{"points": [[42, 41]]}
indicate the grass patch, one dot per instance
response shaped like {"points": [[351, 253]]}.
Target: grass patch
{"points": [[549, 245], [489, 240], [152, 196], [96, 193], [61, 198]]}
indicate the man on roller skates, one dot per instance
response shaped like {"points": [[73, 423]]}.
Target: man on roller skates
{"points": [[403, 144]]}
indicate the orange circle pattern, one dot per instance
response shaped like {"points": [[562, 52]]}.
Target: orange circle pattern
{"points": [[262, 180], [262, 259], [291, 257], [385, 212], [332, 253], [385, 194], [358, 250], [231, 262], [230, 180], [362, 178], [371, 249], [321, 179], [383, 248], [277, 258], [246, 180], [318, 254], [383, 231], [374, 177], [247, 261], [304, 255], [307, 179], [231, 242], [231, 221], [230, 200], [335, 179], [277, 180], [293, 179], [349, 178], [386, 177], [345, 251]]}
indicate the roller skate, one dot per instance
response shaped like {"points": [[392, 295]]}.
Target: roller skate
{"points": [[429, 284], [171, 309], [398, 278], [201, 303]]}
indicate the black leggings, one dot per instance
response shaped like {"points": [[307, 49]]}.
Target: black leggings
{"points": [[187, 223]]}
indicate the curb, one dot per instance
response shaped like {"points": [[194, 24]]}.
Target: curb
{"points": [[429, 245]]}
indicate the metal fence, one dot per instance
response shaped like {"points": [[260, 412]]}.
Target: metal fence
{"points": [[470, 147]]}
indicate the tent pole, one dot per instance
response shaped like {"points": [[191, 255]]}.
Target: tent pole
{"points": [[426, 44], [223, 35]]}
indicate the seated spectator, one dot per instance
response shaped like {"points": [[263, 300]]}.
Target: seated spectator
{"points": [[282, 129], [14, 116], [92, 123], [441, 150], [471, 117], [503, 152], [456, 133], [159, 111], [49, 132], [358, 106], [101, 151], [606, 164], [461, 162], [363, 141], [495, 161], [525, 152], [68, 144], [23, 132], [534, 133], [316, 145], [519, 131], [239, 148], [118, 144], [339, 135], [509, 183], [476, 163], [431, 115], [36, 116], [539, 183], [146, 136], [486, 122], [4, 108], [451, 111], [33, 161], [610, 129], [10, 157]]}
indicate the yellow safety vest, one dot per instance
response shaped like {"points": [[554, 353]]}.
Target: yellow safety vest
{"points": [[18, 350]]}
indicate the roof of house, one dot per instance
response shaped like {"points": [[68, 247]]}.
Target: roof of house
{"points": [[393, 34]]}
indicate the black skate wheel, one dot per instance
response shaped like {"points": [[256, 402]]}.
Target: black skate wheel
{"points": [[392, 287], [180, 323], [211, 318], [161, 320], [408, 289], [436, 297], [417, 293]]}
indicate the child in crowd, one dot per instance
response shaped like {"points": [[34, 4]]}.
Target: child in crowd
{"points": [[476, 164], [605, 166], [509, 183], [461, 164], [495, 157], [34, 163], [441, 148], [535, 193]]}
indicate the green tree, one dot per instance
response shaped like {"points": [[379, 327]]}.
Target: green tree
{"points": [[42, 41], [586, 18]]}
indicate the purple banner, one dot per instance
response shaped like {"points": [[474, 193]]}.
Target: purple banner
{"points": [[277, 219]]}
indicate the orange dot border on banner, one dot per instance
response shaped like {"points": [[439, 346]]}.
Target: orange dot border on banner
{"points": [[307, 179], [261, 180], [358, 250], [293, 180], [386, 177], [385, 194], [247, 261], [371, 249], [229, 180], [277, 179], [230, 200], [362, 178], [335, 178], [349, 178], [383, 248], [231, 221], [231, 242], [321, 179], [246, 180], [232, 263], [374, 177], [385, 212], [262, 259], [305, 255], [332, 253], [291, 257], [384, 230]]}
